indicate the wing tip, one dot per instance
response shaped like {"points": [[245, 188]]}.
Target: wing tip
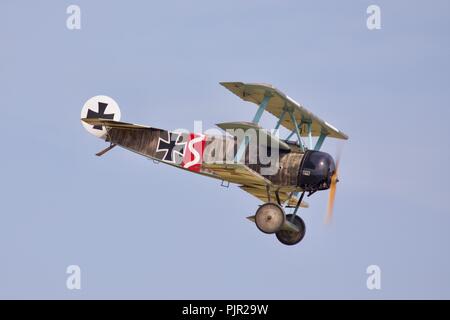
{"points": [[229, 84]]}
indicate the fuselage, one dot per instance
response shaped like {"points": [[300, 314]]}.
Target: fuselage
{"points": [[190, 151]]}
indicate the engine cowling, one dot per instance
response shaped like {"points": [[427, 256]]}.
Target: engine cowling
{"points": [[316, 170]]}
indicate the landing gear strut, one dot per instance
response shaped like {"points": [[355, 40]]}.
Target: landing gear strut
{"points": [[270, 218]]}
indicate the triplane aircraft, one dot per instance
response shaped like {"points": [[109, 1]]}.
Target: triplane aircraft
{"points": [[300, 168]]}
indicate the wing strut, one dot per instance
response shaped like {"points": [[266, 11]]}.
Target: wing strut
{"points": [[270, 99], [297, 130], [261, 108], [256, 118], [320, 141]]}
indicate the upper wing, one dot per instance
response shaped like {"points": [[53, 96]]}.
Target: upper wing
{"points": [[255, 92]]}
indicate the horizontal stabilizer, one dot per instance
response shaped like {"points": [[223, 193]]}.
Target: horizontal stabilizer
{"points": [[112, 124]]}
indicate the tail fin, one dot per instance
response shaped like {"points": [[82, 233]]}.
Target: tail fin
{"points": [[99, 107]]}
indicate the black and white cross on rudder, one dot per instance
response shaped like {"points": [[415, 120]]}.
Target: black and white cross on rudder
{"points": [[100, 114]]}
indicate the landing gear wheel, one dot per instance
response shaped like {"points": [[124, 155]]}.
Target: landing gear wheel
{"points": [[269, 218], [289, 237]]}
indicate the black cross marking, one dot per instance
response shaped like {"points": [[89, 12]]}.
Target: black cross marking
{"points": [[171, 146], [100, 114]]}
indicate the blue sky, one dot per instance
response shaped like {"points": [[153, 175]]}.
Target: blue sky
{"points": [[140, 230]]}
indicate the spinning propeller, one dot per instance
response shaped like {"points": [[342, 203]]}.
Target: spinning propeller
{"points": [[332, 194]]}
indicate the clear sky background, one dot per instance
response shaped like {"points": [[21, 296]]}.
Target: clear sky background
{"points": [[140, 230]]}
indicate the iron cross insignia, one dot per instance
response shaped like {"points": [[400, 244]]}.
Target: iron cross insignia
{"points": [[172, 146], [100, 114]]}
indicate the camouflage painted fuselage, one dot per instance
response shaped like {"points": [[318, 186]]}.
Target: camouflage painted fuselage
{"points": [[189, 151]]}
